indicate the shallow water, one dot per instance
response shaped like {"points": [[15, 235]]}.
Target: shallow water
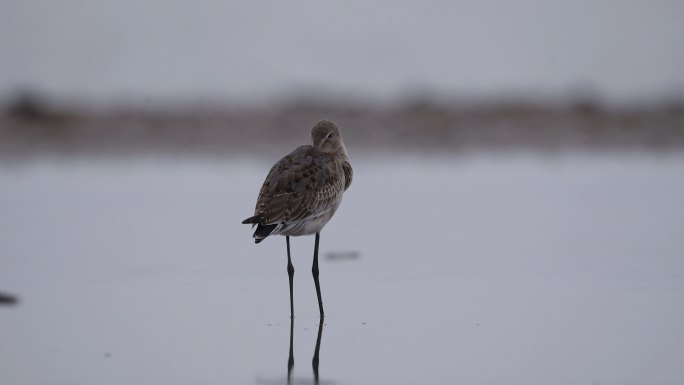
{"points": [[488, 270]]}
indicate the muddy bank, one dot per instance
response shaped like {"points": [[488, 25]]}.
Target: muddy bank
{"points": [[30, 127]]}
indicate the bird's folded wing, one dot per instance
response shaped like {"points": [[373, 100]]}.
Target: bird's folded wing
{"points": [[298, 187]]}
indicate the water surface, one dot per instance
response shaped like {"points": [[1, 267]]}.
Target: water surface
{"points": [[487, 270]]}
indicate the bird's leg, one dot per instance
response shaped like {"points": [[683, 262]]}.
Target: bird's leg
{"points": [[290, 273], [290, 358], [317, 350], [314, 271]]}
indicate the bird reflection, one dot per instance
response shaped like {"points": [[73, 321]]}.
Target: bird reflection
{"points": [[314, 361]]}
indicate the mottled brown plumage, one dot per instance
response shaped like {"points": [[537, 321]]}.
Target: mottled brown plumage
{"points": [[303, 190]]}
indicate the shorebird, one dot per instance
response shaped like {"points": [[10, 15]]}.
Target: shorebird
{"points": [[302, 192]]}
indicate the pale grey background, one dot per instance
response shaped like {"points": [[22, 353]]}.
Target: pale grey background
{"points": [[623, 50]]}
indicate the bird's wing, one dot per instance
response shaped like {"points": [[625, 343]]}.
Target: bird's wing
{"points": [[348, 174], [303, 184]]}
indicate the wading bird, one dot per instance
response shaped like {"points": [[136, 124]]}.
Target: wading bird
{"points": [[302, 192]]}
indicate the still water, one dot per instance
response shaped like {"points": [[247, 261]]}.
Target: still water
{"points": [[480, 269]]}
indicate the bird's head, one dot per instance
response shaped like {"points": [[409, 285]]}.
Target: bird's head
{"points": [[326, 137]]}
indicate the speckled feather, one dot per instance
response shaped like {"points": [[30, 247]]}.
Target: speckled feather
{"points": [[303, 185], [303, 190]]}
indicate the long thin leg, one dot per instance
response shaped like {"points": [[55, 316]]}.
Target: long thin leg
{"points": [[314, 271], [314, 362], [290, 358], [290, 273]]}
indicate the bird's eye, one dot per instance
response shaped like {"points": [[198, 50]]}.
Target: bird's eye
{"points": [[330, 136]]}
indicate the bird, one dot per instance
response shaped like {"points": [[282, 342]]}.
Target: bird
{"points": [[301, 193]]}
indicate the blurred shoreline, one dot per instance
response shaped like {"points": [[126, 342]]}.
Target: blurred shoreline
{"points": [[31, 127]]}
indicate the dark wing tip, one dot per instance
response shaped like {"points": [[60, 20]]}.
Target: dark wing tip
{"points": [[263, 231], [249, 220]]}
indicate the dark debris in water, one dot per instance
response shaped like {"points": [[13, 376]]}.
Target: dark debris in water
{"points": [[8, 299], [343, 255]]}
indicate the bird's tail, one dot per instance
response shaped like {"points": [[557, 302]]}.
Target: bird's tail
{"points": [[262, 231], [253, 220]]}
